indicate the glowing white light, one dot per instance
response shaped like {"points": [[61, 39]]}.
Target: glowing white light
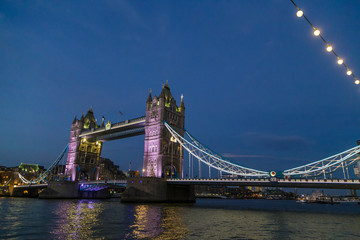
{"points": [[357, 82], [349, 72], [340, 61], [317, 32], [329, 48], [299, 13]]}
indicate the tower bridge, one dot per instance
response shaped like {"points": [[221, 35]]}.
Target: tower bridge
{"points": [[162, 155], [165, 143]]}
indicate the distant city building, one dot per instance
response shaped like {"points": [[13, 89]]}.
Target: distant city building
{"points": [[6, 174], [59, 170], [30, 171], [255, 188], [229, 176], [57, 173], [30, 168], [109, 171], [133, 173]]}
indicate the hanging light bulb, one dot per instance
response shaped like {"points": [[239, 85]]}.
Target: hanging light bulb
{"points": [[299, 13], [328, 47], [316, 32]]}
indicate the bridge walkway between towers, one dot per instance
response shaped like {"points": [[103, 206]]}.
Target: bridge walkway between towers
{"points": [[124, 129]]}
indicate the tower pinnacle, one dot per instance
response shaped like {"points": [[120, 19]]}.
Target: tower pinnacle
{"points": [[149, 98]]}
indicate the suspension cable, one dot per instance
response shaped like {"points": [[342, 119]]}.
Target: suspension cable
{"points": [[214, 161], [46, 173]]}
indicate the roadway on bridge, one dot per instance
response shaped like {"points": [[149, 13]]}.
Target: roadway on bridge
{"points": [[268, 182]]}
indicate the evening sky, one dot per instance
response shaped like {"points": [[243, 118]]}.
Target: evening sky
{"points": [[258, 86]]}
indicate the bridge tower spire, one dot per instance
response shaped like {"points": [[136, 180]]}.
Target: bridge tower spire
{"points": [[163, 156]]}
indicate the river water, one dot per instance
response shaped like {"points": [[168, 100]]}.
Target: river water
{"points": [[22, 218]]}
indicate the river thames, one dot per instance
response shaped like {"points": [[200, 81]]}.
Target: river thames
{"points": [[23, 218]]}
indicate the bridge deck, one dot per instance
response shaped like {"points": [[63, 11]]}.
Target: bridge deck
{"points": [[112, 183], [265, 182], [32, 186]]}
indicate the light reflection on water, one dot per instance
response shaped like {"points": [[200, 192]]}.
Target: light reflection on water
{"points": [[156, 222], [76, 219], [146, 223], [207, 219], [174, 228]]}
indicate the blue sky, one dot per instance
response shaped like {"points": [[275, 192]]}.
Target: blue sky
{"points": [[258, 87]]}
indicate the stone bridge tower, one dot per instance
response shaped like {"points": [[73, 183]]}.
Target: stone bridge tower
{"points": [[163, 156], [83, 155]]}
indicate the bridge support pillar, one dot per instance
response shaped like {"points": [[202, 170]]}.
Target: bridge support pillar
{"points": [[71, 190], [61, 189], [11, 190], [353, 193], [152, 189], [12, 183]]}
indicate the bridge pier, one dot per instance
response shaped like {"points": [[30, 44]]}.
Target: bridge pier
{"points": [[69, 190], [63, 189], [101, 194], [152, 189]]}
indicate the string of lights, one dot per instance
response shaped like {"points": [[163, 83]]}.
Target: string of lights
{"points": [[329, 48]]}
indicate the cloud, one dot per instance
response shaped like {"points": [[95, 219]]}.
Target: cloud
{"points": [[230, 155], [279, 143], [127, 11], [262, 157]]}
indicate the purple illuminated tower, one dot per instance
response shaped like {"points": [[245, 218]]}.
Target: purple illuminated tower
{"points": [[83, 156], [163, 156]]}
